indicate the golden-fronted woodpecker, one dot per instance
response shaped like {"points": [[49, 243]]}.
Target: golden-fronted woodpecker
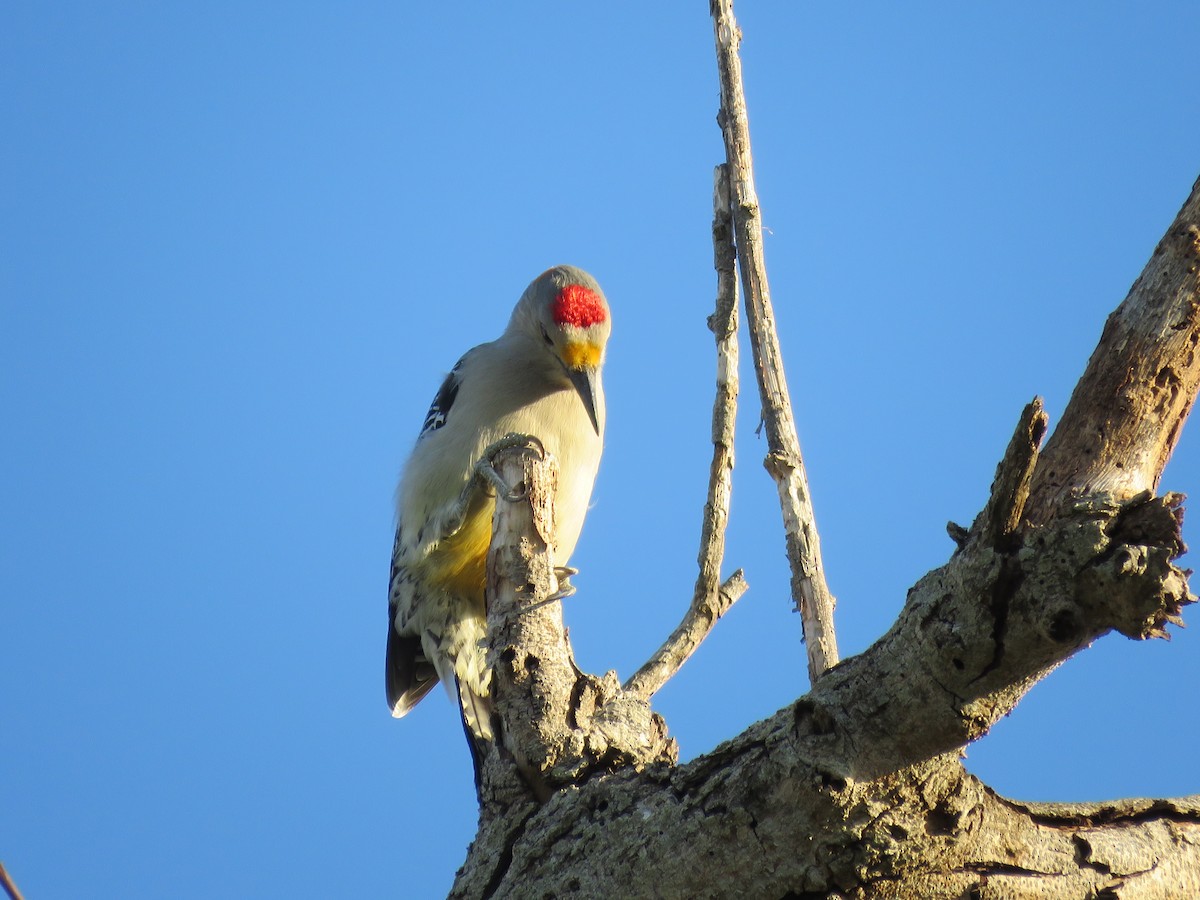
{"points": [[541, 377]]}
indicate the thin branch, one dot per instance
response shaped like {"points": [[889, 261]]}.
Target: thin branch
{"points": [[697, 622], [784, 462], [711, 599], [6, 882]]}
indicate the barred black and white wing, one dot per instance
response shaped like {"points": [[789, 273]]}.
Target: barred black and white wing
{"points": [[439, 409], [409, 675]]}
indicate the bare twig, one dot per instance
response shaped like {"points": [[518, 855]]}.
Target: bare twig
{"points": [[711, 599], [6, 882], [784, 462], [697, 622]]}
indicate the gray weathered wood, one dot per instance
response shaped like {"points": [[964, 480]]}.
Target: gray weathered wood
{"points": [[810, 593], [711, 599]]}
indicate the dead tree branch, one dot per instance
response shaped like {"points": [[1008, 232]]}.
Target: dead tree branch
{"points": [[711, 599], [856, 790], [810, 593], [772, 826], [557, 724], [1126, 413]]}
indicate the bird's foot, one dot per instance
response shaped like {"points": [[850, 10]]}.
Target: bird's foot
{"points": [[562, 574], [486, 472]]}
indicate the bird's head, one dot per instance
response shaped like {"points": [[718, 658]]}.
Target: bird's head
{"points": [[566, 312]]}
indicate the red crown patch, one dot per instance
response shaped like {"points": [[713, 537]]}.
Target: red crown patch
{"points": [[579, 306]]}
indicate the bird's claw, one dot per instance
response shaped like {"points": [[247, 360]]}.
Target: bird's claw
{"points": [[513, 439], [565, 589], [485, 469], [487, 474]]}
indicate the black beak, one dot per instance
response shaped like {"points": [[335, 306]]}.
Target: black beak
{"points": [[587, 385]]}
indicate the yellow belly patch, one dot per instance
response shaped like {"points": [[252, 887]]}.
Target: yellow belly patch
{"points": [[459, 563]]}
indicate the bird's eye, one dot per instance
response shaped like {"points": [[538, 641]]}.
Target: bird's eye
{"points": [[546, 337]]}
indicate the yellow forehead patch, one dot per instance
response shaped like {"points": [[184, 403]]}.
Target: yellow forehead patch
{"points": [[581, 355]]}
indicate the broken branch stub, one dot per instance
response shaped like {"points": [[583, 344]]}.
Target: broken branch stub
{"points": [[1001, 517], [556, 724], [533, 675]]}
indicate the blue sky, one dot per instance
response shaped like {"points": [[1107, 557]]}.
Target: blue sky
{"points": [[243, 243]]}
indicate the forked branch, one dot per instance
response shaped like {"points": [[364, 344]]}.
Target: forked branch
{"points": [[711, 599], [810, 593]]}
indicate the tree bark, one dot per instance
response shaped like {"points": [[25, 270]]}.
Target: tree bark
{"points": [[930, 831]]}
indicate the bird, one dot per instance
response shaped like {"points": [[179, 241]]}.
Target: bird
{"points": [[540, 378]]}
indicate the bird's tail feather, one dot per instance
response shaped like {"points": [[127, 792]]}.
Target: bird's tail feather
{"points": [[409, 676], [476, 711]]}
